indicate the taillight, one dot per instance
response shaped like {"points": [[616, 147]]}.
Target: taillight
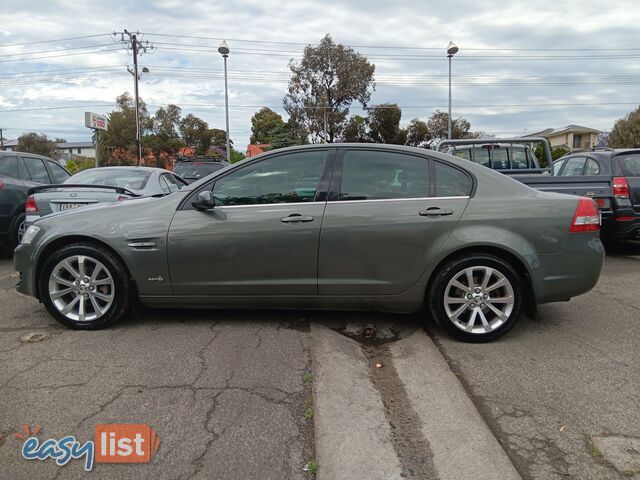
{"points": [[30, 205], [620, 187], [586, 218], [1, 185]]}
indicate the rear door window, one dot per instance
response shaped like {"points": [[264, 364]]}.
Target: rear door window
{"points": [[9, 166], [58, 173], [37, 170], [519, 159], [451, 182], [499, 159], [573, 167], [481, 156], [377, 175], [592, 167]]}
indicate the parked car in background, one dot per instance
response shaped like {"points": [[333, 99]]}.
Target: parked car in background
{"points": [[383, 227], [497, 156], [19, 172], [99, 185], [194, 168], [620, 167]]}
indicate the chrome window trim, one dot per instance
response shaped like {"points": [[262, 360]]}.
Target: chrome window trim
{"points": [[282, 204], [400, 199]]}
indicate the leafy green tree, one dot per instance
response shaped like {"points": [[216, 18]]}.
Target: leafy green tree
{"points": [[626, 131], [196, 133], [556, 153], [263, 124], [39, 144], [328, 79], [418, 134], [356, 130], [164, 139], [384, 124], [282, 137], [438, 125], [118, 143], [236, 156], [219, 138]]}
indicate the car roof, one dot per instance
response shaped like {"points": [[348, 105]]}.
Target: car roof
{"points": [[10, 153]]}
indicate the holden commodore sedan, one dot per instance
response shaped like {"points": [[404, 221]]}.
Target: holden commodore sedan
{"points": [[348, 226]]}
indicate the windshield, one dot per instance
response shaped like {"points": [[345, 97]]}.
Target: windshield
{"points": [[132, 179], [630, 164], [196, 170]]}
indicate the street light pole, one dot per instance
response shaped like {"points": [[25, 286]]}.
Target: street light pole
{"points": [[452, 49], [224, 51]]}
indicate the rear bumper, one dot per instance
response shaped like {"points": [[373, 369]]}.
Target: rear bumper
{"points": [[625, 230], [574, 271]]}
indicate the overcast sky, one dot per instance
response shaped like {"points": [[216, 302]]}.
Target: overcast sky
{"points": [[510, 63]]}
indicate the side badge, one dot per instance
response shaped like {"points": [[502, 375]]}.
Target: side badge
{"points": [[156, 279]]}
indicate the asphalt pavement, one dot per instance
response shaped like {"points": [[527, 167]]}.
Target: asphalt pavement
{"points": [[230, 393]]}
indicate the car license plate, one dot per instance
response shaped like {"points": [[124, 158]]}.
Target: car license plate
{"points": [[71, 206]]}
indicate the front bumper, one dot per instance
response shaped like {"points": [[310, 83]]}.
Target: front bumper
{"points": [[572, 272], [25, 264]]}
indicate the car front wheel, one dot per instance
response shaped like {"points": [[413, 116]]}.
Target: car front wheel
{"points": [[85, 287], [477, 298]]}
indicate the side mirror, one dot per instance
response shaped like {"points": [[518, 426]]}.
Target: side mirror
{"points": [[204, 200]]}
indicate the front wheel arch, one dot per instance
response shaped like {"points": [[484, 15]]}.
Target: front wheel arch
{"points": [[59, 243]]}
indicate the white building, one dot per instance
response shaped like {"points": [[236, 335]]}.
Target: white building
{"points": [[65, 150]]}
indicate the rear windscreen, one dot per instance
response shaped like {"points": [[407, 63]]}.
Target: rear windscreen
{"points": [[190, 171], [113, 177], [630, 164]]}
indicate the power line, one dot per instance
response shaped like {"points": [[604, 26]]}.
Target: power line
{"points": [[58, 56], [58, 50], [54, 41]]}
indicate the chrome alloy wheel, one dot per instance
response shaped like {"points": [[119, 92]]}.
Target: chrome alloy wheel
{"points": [[22, 228], [478, 299], [81, 288]]}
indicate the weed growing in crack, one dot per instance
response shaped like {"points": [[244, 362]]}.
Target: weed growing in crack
{"points": [[308, 413], [307, 377]]}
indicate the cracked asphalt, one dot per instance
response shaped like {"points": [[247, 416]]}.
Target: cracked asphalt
{"points": [[552, 383], [225, 391]]}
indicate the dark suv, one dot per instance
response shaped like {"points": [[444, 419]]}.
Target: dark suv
{"points": [[194, 168], [19, 172], [622, 167]]}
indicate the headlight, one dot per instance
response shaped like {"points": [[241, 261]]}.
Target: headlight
{"points": [[29, 235]]}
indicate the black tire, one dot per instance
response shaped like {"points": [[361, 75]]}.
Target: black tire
{"points": [[13, 236], [453, 268], [121, 287]]}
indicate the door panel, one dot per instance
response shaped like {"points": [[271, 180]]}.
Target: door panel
{"points": [[262, 236], [245, 250], [381, 247]]}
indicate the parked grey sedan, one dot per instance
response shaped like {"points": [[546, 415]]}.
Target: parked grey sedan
{"points": [[382, 228], [97, 185]]}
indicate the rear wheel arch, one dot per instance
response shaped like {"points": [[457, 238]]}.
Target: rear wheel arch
{"points": [[505, 255], [59, 243]]}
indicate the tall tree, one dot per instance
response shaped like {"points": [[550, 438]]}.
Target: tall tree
{"points": [[328, 79], [626, 131], [356, 130], [118, 143], [384, 124], [34, 143], [263, 123], [418, 134], [195, 133], [438, 125], [164, 139]]}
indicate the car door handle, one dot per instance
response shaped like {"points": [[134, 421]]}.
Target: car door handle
{"points": [[297, 218], [433, 212]]}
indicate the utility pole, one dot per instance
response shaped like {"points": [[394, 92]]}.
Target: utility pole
{"points": [[1, 140], [223, 49], [132, 42]]}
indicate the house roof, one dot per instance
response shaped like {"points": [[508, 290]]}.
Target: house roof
{"points": [[550, 132], [75, 145], [256, 149]]}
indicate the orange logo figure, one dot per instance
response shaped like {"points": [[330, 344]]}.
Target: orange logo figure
{"points": [[125, 443]]}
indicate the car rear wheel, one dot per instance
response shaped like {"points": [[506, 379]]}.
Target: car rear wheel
{"points": [[16, 232], [477, 298], [85, 287]]}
